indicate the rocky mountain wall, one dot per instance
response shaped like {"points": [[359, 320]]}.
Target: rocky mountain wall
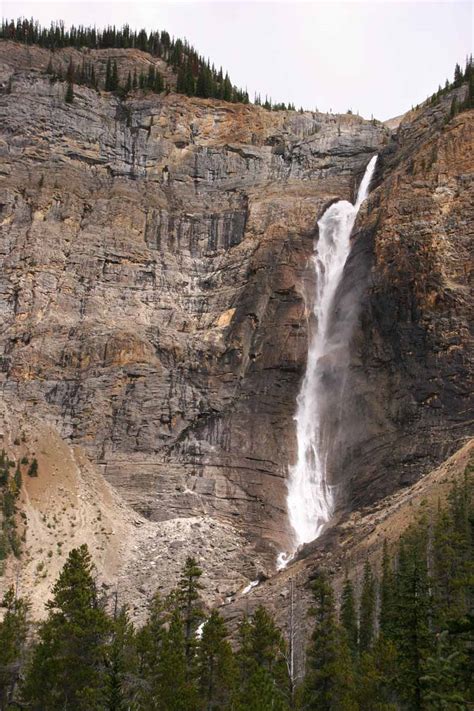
{"points": [[408, 397], [154, 260]]}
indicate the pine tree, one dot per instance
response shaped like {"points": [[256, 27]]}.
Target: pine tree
{"points": [[93, 79], [13, 638], [348, 617], [128, 84], [114, 80], [458, 76], [108, 75], [158, 83], [375, 679], [262, 663], [413, 612], [151, 77], [69, 96], [122, 664], [135, 79], [387, 596], [149, 643], [367, 610], [442, 678], [329, 683], [216, 665], [191, 606], [67, 668], [174, 689]]}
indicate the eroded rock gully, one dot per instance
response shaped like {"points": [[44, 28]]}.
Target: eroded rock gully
{"points": [[154, 257]]}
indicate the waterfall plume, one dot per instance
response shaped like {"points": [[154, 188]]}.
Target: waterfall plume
{"points": [[311, 497]]}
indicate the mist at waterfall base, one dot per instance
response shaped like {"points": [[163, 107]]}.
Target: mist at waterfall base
{"points": [[311, 496]]}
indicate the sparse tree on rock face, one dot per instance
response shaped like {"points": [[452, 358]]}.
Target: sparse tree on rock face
{"points": [[69, 96], [108, 75], [67, 669]]}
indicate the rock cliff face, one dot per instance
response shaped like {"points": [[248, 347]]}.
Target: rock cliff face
{"points": [[154, 259], [154, 253], [409, 390]]}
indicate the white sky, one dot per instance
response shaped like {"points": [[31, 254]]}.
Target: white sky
{"points": [[374, 57]]}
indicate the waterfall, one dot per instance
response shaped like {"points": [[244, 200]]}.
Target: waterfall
{"points": [[311, 498]]}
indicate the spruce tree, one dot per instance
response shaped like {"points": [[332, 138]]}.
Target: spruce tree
{"points": [[108, 75], [13, 637], [387, 596], [442, 678], [191, 606], [149, 642], [413, 613], [69, 96], [348, 617], [128, 84], [262, 663], [216, 665], [174, 689], [67, 669], [375, 678], [329, 683], [121, 677], [367, 610], [114, 80]]}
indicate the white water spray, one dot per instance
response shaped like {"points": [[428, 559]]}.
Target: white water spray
{"points": [[311, 497]]}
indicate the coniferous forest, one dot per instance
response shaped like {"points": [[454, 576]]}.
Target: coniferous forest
{"points": [[195, 76], [401, 637]]}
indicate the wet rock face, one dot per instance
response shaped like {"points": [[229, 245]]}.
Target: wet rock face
{"points": [[154, 258], [409, 394]]}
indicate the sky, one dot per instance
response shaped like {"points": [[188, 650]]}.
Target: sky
{"points": [[377, 58]]}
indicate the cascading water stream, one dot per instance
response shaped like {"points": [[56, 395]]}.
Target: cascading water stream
{"points": [[311, 498]]}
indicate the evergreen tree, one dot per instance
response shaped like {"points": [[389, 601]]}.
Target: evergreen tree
{"points": [[191, 607], [67, 668], [174, 689], [216, 665], [367, 610], [158, 85], [122, 664], [108, 75], [13, 637], [329, 683], [69, 95], [128, 84], [442, 678], [348, 616], [387, 596], [151, 77], [149, 645], [412, 635], [264, 681], [454, 108], [458, 76], [135, 79], [114, 79], [375, 680]]}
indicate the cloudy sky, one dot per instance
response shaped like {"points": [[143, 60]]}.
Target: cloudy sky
{"points": [[375, 57]]}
